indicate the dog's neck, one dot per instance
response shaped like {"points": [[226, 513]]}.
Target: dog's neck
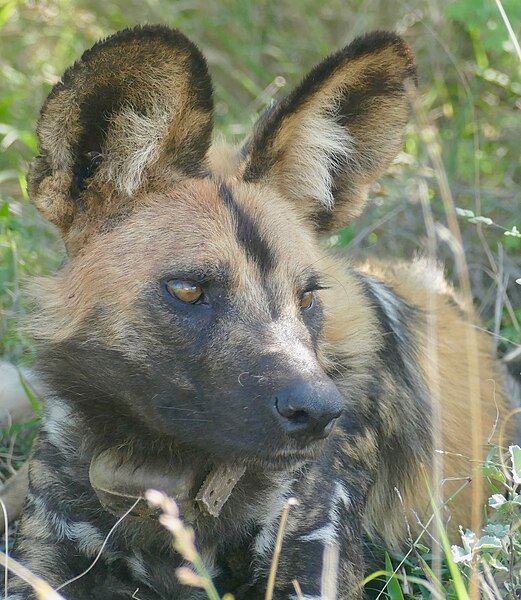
{"points": [[126, 461]]}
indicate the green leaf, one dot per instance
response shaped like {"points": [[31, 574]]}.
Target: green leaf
{"points": [[496, 500], [393, 586], [32, 424], [494, 562], [468, 538], [492, 472], [515, 454], [459, 555], [488, 542], [496, 529], [457, 579], [6, 10], [30, 394]]}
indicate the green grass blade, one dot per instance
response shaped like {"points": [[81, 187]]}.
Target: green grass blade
{"points": [[35, 403], [394, 589]]}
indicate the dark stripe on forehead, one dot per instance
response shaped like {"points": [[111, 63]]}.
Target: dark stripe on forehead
{"points": [[247, 232]]}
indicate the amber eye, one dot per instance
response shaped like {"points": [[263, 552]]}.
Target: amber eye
{"points": [[307, 300], [186, 291]]}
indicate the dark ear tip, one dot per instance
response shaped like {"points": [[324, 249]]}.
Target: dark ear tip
{"points": [[141, 33], [379, 40], [160, 34]]}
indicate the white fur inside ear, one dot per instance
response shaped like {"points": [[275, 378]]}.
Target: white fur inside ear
{"points": [[319, 148], [134, 142]]}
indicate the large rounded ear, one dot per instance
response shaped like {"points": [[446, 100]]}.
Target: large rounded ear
{"points": [[337, 131], [134, 112]]}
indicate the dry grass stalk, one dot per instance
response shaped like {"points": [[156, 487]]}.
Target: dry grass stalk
{"points": [[278, 547], [41, 588], [432, 141], [298, 590], [329, 579], [184, 543]]}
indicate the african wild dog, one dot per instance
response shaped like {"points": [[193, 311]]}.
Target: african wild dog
{"points": [[200, 329]]}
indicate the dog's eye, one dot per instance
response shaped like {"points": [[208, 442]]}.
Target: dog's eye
{"points": [[186, 291], [307, 300]]}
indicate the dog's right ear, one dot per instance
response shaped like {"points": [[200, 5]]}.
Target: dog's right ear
{"points": [[135, 112]]}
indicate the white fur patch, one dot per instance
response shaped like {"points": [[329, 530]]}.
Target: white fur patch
{"points": [[319, 147], [428, 274], [265, 541], [270, 513], [137, 566], [286, 341], [133, 142], [391, 305], [88, 538], [57, 423], [341, 495], [48, 521], [328, 534]]}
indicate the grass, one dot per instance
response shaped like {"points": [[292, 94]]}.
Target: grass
{"points": [[468, 114]]}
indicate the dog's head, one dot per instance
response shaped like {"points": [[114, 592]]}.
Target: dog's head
{"points": [[197, 299]]}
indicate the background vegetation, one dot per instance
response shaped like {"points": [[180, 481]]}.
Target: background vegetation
{"points": [[470, 111]]}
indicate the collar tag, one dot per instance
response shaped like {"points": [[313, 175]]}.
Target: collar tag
{"points": [[217, 487]]}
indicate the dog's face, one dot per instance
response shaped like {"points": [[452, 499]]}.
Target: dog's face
{"points": [[197, 299], [208, 301]]}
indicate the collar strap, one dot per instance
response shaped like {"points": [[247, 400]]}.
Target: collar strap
{"points": [[119, 482]]}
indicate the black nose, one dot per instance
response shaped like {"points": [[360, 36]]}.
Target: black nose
{"points": [[307, 410]]}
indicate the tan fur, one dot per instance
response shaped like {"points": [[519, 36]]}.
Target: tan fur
{"points": [[161, 202], [116, 266], [223, 159], [311, 146], [422, 284]]}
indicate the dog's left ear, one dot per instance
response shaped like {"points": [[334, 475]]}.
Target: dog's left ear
{"points": [[337, 131]]}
